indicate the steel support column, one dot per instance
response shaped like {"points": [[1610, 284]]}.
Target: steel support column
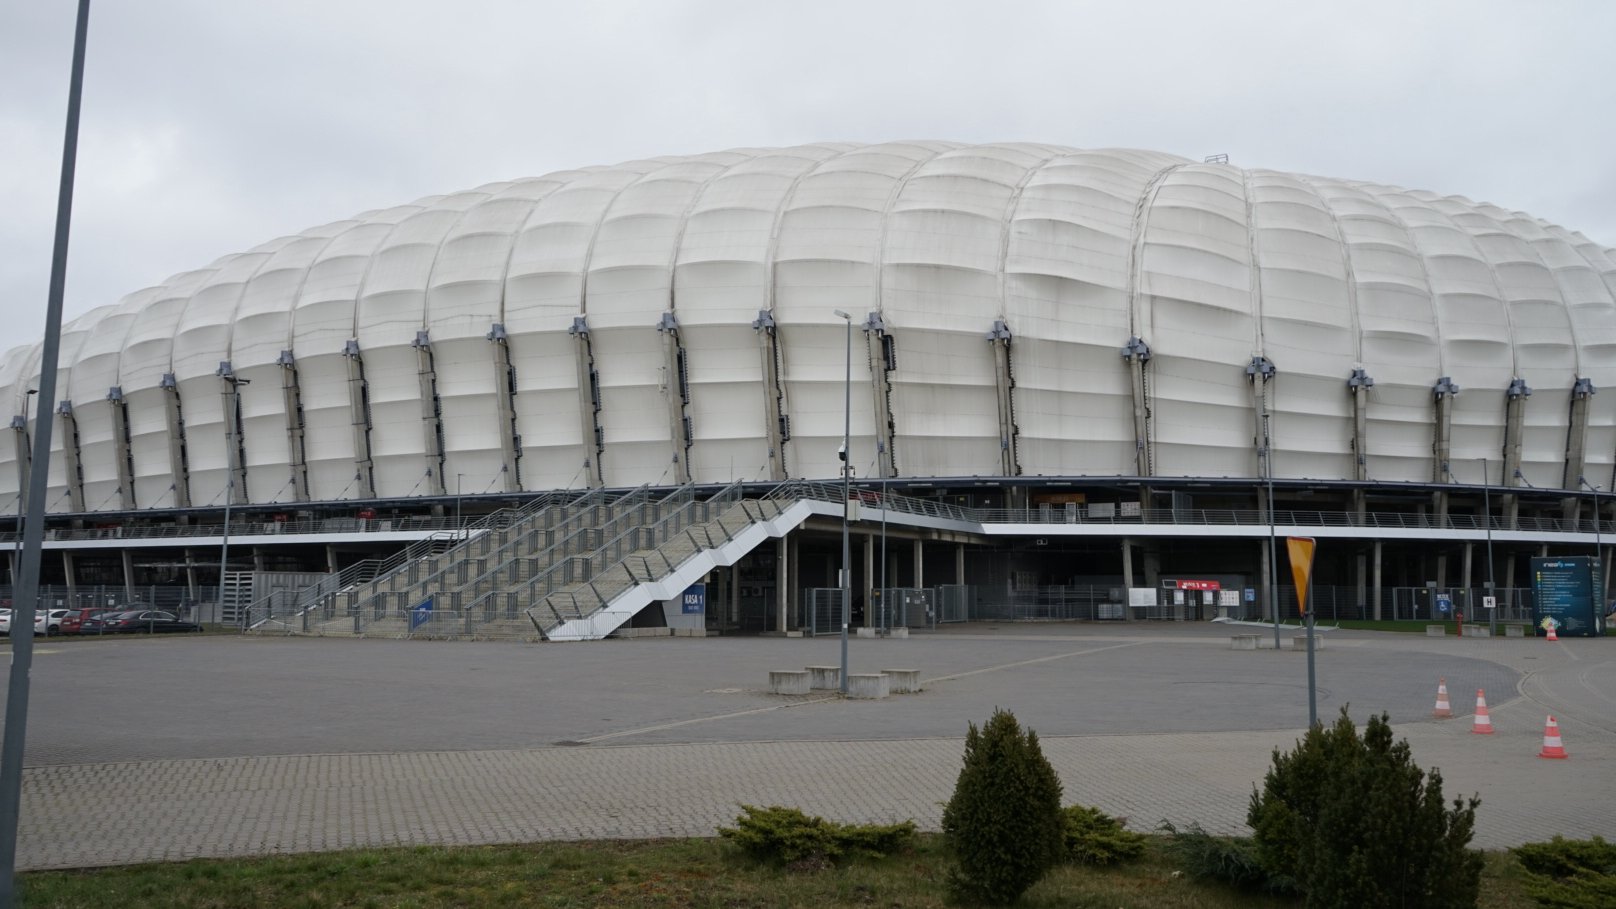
{"points": [[121, 449], [1136, 353], [426, 372], [1576, 453], [1005, 383], [776, 423], [178, 457], [510, 441], [1443, 395], [235, 452], [1358, 385], [71, 463], [676, 393], [883, 358], [590, 434], [292, 401], [359, 420]]}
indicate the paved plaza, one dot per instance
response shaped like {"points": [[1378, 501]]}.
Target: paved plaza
{"points": [[166, 749]]}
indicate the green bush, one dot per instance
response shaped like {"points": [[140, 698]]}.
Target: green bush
{"points": [[1355, 822], [1096, 838], [1570, 874], [1230, 859], [1004, 820], [786, 835]]}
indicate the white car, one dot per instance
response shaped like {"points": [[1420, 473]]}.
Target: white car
{"points": [[46, 621]]}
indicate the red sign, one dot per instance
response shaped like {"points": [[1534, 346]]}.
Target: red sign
{"points": [[1199, 585]]}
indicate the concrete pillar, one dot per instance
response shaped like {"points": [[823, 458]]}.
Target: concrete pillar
{"points": [[920, 550], [733, 581], [1268, 594], [190, 574], [1468, 563], [782, 582], [959, 563], [1153, 566], [869, 580], [258, 558], [1376, 591], [1363, 578], [331, 559], [1509, 576], [11, 559], [128, 576], [72, 579]]}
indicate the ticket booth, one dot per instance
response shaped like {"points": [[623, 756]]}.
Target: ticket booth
{"points": [[1192, 599]]}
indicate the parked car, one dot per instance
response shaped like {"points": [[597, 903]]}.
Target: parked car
{"points": [[73, 622], [137, 621], [46, 621]]}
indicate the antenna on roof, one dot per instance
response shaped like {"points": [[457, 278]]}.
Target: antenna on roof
{"points": [[1216, 159]]}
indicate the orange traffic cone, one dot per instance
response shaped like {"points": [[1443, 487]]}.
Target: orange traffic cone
{"points": [[1552, 635], [1484, 723], [1442, 709], [1552, 748]]}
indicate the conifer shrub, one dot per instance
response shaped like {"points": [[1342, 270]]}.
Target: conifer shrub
{"points": [[788, 836], [1004, 821], [1230, 859], [1095, 838], [1355, 822], [1570, 874]]}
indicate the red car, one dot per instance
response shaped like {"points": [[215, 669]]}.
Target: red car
{"points": [[73, 622]]}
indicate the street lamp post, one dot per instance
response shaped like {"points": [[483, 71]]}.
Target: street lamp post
{"points": [[1487, 509], [847, 461], [229, 488]]}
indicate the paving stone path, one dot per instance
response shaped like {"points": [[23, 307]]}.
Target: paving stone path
{"points": [[655, 770]]}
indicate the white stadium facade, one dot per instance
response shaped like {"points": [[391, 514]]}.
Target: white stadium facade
{"points": [[1087, 354]]}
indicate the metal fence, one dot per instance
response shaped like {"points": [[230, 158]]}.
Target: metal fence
{"points": [[820, 610]]}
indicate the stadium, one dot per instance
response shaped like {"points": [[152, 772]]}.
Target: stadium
{"points": [[1074, 384]]}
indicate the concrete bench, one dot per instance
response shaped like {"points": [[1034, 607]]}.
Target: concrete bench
{"points": [[1299, 642], [865, 632], [788, 681], [825, 677], [1436, 631], [868, 685], [903, 681], [1243, 641], [1478, 631], [899, 632], [1514, 631]]}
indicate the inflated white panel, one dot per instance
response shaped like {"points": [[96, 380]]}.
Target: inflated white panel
{"points": [[94, 375], [827, 258], [148, 355], [74, 334], [1591, 307], [727, 407], [1398, 332], [1066, 302], [1472, 323], [1196, 296], [1540, 334], [464, 301], [1074, 250], [544, 290], [630, 286], [1308, 328], [201, 343], [940, 294], [391, 311], [323, 320], [14, 402]]}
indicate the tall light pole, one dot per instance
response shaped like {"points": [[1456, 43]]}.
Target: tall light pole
{"points": [[1599, 553], [22, 615], [847, 482], [1487, 507], [232, 429]]}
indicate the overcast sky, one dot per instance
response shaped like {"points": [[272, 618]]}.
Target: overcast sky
{"points": [[210, 126]]}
